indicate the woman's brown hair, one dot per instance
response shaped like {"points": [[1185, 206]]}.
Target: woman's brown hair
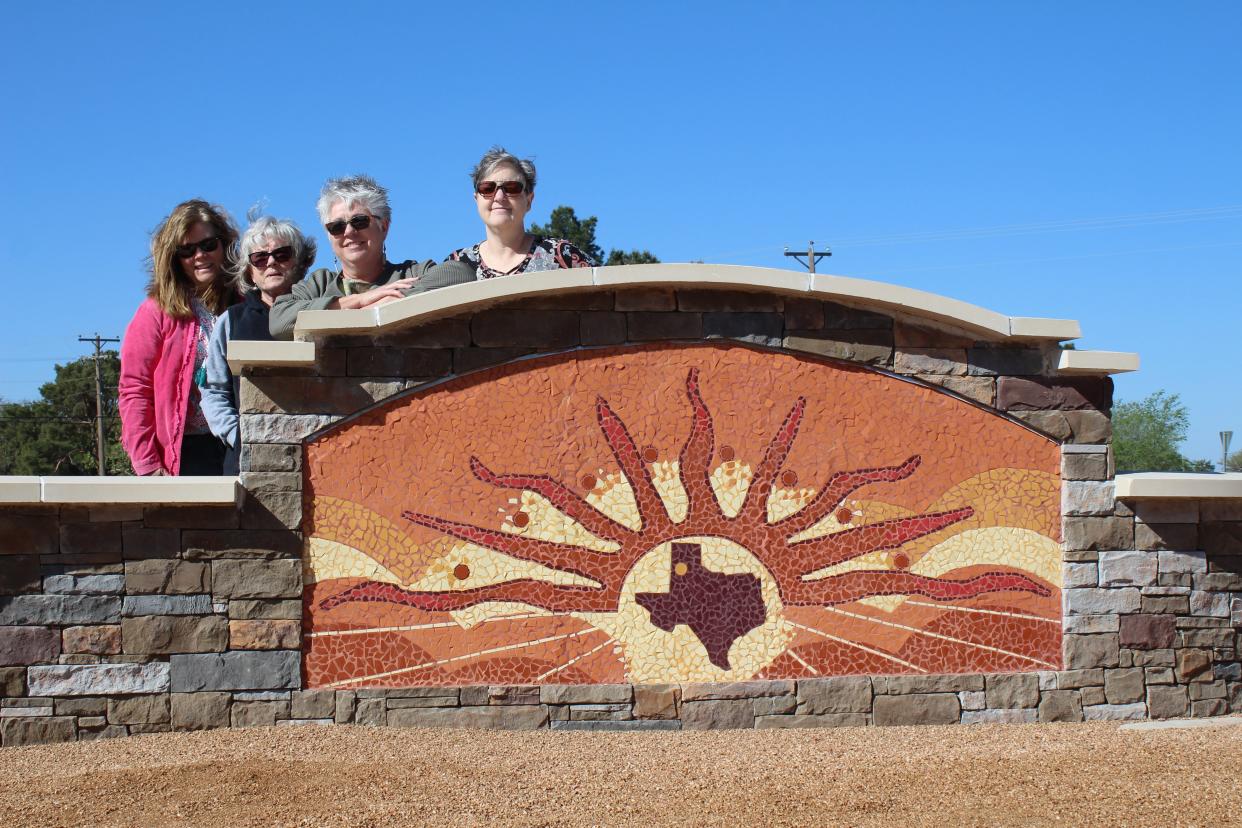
{"points": [[170, 287]]}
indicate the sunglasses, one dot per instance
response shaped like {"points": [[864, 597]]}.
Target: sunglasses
{"points": [[281, 254], [511, 188], [207, 245], [337, 228]]}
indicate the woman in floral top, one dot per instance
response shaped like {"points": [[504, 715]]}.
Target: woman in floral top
{"points": [[504, 189], [165, 346]]}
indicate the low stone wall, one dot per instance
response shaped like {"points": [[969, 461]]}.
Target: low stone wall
{"points": [[126, 620]]}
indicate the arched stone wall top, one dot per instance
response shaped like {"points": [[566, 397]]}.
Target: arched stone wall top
{"points": [[861, 293]]}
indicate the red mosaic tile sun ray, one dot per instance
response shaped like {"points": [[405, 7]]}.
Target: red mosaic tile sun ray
{"points": [[690, 564]]}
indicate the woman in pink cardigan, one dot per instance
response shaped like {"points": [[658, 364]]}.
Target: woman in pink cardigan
{"points": [[165, 347]]}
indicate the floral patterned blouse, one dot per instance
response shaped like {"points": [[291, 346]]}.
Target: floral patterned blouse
{"points": [[545, 254]]}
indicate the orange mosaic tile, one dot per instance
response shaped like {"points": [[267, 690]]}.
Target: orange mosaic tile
{"points": [[667, 513]]}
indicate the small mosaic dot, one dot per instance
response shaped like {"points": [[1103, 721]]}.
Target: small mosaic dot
{"points": [[521, 520], [461, 572], [789, 478]]}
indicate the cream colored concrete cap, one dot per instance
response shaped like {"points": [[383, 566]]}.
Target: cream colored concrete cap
{"points": [[1097, 362], [17, 489], [152, 490], [859, 292], [1173, 486], [247, 352]]}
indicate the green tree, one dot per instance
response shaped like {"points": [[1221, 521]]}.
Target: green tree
{"points": [[1147, 435], [55, 434], [565, 224]]}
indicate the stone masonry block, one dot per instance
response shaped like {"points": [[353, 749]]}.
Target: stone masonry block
{"points": [[656, 701], [60, 609], [278, 458], [871, 347], [1084, 466], [287, 608], [586, 694], [729, 301], [917, 709], [1081, 497], [898, 685], [803, 314], [101, 639], [282, 428], [140, 542], [199, 711], [110, 584], [18, 574], [1147, 631], [90, 538], [1124, 686], [930, 361], [530, 328], [1167, 511], [398, 362], [245, 670], [643, 326], [28, 645], [601, 328], [265, 635], [1012, 690], [717, 714], [844, 694], [190, 517], [980, 389], [255, 544], [167, 577], [1086, 651], [1079, 575], [28, 535], [98, 679], [1127, 569], [736, 690], [759, 328], [27, 730], [136, 605], [1099, 533], [993, 361], [1095, 601], [256, 579], [491, 717], [129, 710], [1060, 706], [166, 634], [1164, 702], [313, 704], [12, 681], [1062, 394], [1166, 535], [1000, 716], [1088, 426]]}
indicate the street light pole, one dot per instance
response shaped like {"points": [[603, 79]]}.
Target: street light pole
{"points": [[1225, 437]]}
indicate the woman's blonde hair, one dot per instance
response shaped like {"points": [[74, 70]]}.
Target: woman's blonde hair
{"points": [[170, 287]]}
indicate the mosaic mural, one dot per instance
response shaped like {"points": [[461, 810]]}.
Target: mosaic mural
{"points": [[678, 513]]}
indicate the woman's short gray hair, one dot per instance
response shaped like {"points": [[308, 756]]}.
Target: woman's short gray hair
{"points": [[501, 157], [356, 189], [268, 229]]}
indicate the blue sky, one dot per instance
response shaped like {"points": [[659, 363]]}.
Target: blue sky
{"points": [[1040, 159]]}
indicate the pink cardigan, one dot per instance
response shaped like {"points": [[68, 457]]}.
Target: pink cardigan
{"points": [[157, 371]]}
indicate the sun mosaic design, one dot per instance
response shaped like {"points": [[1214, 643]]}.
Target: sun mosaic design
{"points": [[702, 566]]}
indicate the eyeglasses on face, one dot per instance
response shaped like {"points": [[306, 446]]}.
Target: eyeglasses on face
{"points": [[281, 255], [207, 245], [337, 228], [511, 188]]}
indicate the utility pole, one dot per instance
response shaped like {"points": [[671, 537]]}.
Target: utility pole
{"points": [[98, 342], [1225, 437], [811, 256]]}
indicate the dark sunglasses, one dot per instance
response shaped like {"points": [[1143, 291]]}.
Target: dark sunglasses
{"points": [[489, 188], [337, 228], [207, 245], [281, 254]]}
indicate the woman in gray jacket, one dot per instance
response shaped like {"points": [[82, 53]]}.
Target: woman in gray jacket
{"points": [[275, 255], [356, 214]]}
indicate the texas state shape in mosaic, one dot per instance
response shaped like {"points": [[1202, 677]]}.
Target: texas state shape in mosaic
{"points": [[678, 513]]}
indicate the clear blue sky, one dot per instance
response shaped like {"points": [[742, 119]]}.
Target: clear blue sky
{"points": [[1104, 139]]}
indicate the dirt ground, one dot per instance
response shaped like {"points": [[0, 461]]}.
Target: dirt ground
{"points": [[1092, 774]]}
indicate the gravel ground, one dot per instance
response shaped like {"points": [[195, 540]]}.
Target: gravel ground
{"points": [[1083, 774]]}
